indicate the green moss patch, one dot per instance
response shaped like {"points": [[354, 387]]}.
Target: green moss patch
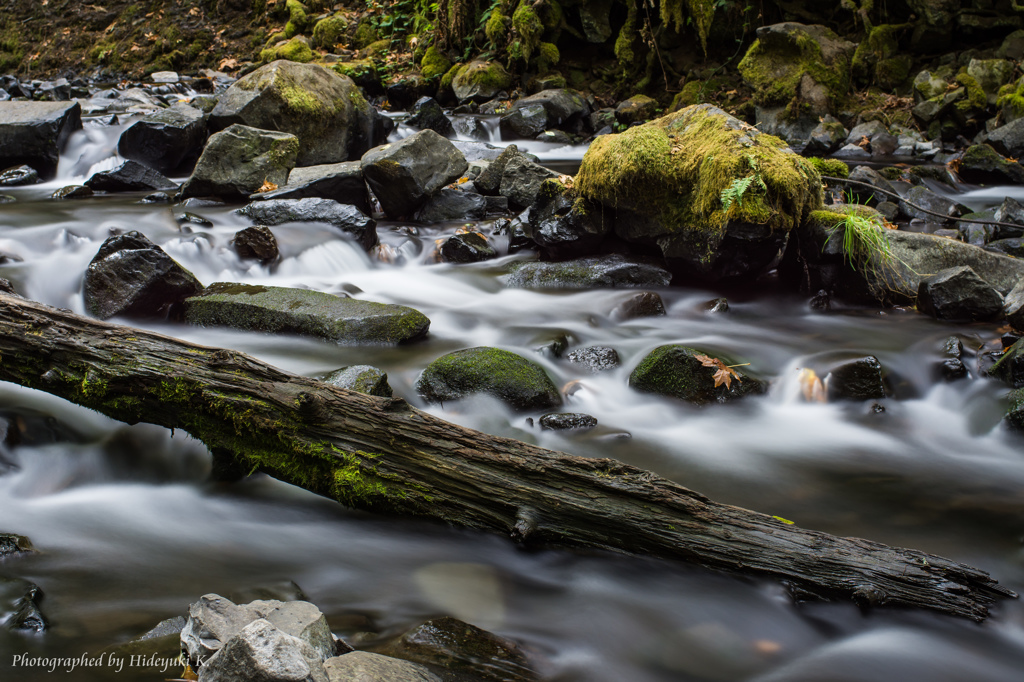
{"points": [[434, 63], [677, 371], [511, 378]]}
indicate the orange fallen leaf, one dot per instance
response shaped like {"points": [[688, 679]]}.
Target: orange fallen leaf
{"points": [[267, 186], [811, 386], [724, 374]]}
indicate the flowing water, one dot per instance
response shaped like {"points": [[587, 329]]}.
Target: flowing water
{"points": [[130, 533]]}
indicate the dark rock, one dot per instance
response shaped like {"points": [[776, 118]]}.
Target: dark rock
{"points": [[1013, 306], [363, 665], [19, 175], [1010, 211], [304, 312], [463, 649], [256, 242], [452, 204], [952, 366], [324, 111], [426, 114], [1008, 140], [156, 198], [871, 177], [852, 151], [644, 304], [889, 210], [977, 234], [521, 181], [20, 599], [11, 544], [958, 294], [884, 144], [72, 192], [594, 359], [555, 137], [981, 164], [349, 219], [238, 161], [612, 271], [260, 651], [675, 371], [341, 182], [526, 122], [856, 380], [489, 181], [495, 207], [636, 109], [189, 218], [405, 174], [926, 199], [1010, 367], [165, 140], [511, 378], [716, 305], [404, 93], [1015, 410], [564, 109], [567, 421], [34, 133], [1010, 247], [561, 228], [132, 277], [362, 379], [826, 137], [466, 247], [129, 176]]}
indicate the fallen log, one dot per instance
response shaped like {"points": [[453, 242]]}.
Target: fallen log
{"points": [[383, 455]]}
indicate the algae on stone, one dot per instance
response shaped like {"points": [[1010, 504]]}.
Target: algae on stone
{"points": [[522, 384], [675, 370]]}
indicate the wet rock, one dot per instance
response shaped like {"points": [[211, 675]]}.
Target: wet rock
{"points": [[826, 137], [408, 89], [852, 151], [674, 370], [34, 133], [526, 122], [131, 276], [11, 544], [560, 226], [856, 380], [426, 114], [156, 198], [612, 271], [237, 161], [952, 366], [18, 175], [974, 233], [466, 247], [1011, 247], [452, 204], [257, 243], [928, 200], [261, 651], [594, 359], [324, 111], [563, 108], [521, 180], [1010, 367], [72, 192], [1015, 410], [717, 305], [644, 304], [128, 177], [1013, 306], [496, 207], [636, 109], [871, 177], [981, 164], [362, 379], [304, 312], [463, 649], [347, 218], [20, 599], [958, 294], [1008, 140], [363, 665], [511, 378], [480, 81], [567, 421], [163, 641], [469, 126], [1010, 211], [489, 181], [341, 182], [405, 174], [165, 140]]}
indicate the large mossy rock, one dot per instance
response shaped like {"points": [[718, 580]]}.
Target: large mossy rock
{"points": [[511, 378], [479, 81], [166, 139], [304, 312], [34, 133], [325, 111], [133, 277], [662, 183], [404, 175], [677, 371], [799, 73], [237, 161]]}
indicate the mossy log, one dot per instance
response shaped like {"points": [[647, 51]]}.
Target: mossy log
{"points": [[382, 455]]}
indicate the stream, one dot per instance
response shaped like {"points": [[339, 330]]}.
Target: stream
{"points": [[130, 532]]}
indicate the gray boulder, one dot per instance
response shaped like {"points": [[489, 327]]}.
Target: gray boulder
{"points": [[363, 666], [452, 204], [1008, 140], [521, 180], [325, 111], [237, 161], [526, 122], [826, 137], [166, 139], [926, 199], [130, 176], [516, 381], [261, 652], [34, 133], [132, 277], [489, 180], [563, 108], [677, 371], [343, 182], [612, 271], [304, 312], [405, 174], [349, 219], [958, 294], [361, 379]]}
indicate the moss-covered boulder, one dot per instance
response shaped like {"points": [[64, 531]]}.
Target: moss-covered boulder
{"points": [[329, 31], [362, 379], [1015, 410], [799, 73], [522, 384], [991, 75], [294, 50], [715, 195], [237, 161], [325, 111], [981, 164], [689, 375], [877, 60], [434, 63], [283, 310], [479, 81]]}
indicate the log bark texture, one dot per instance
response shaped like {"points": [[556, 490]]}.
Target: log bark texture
{"points": [[382, 455]]}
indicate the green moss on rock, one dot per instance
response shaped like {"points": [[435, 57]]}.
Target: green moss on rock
{"points": [[434, 63], [295, 50], [497, 28], [830, 167], [547, 56], [365, 34], [511, 378], [529, 27], [675, 370], [329, 31], [298, 20]]}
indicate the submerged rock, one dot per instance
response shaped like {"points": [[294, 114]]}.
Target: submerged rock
{"points": [[567, 421], [405, 174], [34, 133], [644, 304], [238, 161], [166, 139], [11, 544], [363, 665], [522, 384], [362, 379], [594, 358], [128, 177], [345, 217], [72, 192], [676, 371], [133, 277], [19, 175], [19, 601], [304, 312], [958, 294], [256, 242], [612, 271]]}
